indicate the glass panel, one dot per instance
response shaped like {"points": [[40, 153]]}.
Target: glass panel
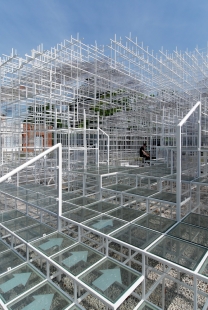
{"points": [[110, 279], [147, 306], [102, 206], [105, 224], [196, 219], [53, 243], [9, 215], [3, 246], [137, 236], [204, 268], [70, 195], [45, 297], [75, 308], [66, 206], [35, 232], [155, 222], [118, 187], [179, 252], [77, 258], [80, 214], [17, 282], [19, 223], [184, 177], [169, 197], [203, 180], [44, 202], [190, 233], [126, 214], [83, 201], [9, 259], [145, 192]]}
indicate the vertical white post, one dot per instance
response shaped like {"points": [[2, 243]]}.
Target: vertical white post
{"points": [[98, 139], [108, 150], [85, 142], [178, 177], [59, 180], [199, 140]]}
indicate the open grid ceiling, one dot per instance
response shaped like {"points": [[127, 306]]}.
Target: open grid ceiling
{"points": [[117, 225]]}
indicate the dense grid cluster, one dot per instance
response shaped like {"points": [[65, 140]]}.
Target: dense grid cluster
{"points": [[86, 222]]}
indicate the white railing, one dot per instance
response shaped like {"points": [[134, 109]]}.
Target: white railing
{"points": [[179, 152], [16, 171]]}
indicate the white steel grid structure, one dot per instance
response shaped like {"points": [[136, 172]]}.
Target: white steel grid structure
{"points": [[136, 220]]}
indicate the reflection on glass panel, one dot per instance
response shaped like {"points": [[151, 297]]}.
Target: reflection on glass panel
{"points": [[77, 258], [118, 187], [145, 192], [105, 224], [196, 219], [19, 223], [9, 215], [53, 243], [9, 259], [155, 222], [66, 206], [137, 236], [126, 214], [190, 233], [103, 206], [35, 232], [179, 252], [80, 214], [46, 297], [204, 268], [18, 281], [110, 279]]}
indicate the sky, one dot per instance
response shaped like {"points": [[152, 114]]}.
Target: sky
{"points": [[24, 24]]}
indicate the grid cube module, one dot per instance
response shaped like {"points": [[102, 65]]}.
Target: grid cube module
{"points": [[144, 221]]}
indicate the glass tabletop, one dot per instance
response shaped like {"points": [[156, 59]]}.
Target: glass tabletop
{"points": [[118, 187], [34, 232], [137, 236], [77, 258], [9, 215], [54, 243], [179, 251], [18, 281], [190, 233], [110, 279], [140, 191], [20, 223], [45, 296], [196, 219], [102, 206], [80, 215], [9, 259], [155, 222], [105, 224], [126, 214]]}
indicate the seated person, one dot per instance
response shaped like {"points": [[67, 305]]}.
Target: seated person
{"points": [[143, 153]]}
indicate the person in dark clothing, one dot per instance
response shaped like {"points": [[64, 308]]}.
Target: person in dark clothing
{"points": [[143, 153]]}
